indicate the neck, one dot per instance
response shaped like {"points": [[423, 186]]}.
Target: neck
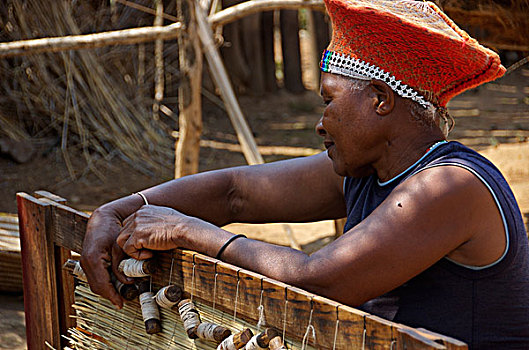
{"points": [[401, 153]]}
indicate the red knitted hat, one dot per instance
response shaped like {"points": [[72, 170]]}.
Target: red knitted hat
{"points": [[412, 46]]}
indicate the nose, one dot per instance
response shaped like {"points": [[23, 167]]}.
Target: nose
{"points": [[319, 128]]}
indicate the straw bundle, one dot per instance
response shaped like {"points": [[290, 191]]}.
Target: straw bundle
{"points": [[498, 23], [101, 326], [10, 261], [98, 102]]}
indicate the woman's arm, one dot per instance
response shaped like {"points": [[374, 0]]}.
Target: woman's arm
{"points": [[302, 189]]}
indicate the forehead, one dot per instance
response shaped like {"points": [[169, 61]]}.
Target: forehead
{"points": [[334, 82]]}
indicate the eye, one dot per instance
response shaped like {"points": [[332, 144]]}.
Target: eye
{"points": [[326, 101]]}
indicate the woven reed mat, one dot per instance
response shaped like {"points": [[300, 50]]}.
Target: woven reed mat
{"points": [[101, 326]]}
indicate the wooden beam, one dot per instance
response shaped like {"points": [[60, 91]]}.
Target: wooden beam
{"points": [[88, 41], [65, 281], [38, 270], [234, 13]]}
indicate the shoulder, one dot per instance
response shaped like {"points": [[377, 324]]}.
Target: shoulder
{"points": [[462, 206]]}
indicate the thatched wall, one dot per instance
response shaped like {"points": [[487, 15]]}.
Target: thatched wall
{"points": [[500, 24], [98, 102]]}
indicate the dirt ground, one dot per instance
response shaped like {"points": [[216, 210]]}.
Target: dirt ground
{"points": [[494, 119]]}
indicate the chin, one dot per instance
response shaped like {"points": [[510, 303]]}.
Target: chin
{"points": [[339, 169]]}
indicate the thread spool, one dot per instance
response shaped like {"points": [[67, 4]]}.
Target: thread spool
{"points": [[190, 317], [236, 341], [262, 340], [127, 291], [276, 343], [149, 309], [137, 268], [212, 331], [74, 267], [168, 296]]}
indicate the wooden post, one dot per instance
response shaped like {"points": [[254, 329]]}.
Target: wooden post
{"points": [[158, 62], [65, 284], [38, 269], [189, 99]]}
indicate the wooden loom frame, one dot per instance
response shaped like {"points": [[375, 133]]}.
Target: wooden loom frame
{"points": [[50, 231]]}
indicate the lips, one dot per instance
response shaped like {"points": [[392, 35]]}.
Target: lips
{"points": [[328, 144]]}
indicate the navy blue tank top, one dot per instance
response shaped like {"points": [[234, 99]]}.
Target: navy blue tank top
{"points": [[486, 307]]}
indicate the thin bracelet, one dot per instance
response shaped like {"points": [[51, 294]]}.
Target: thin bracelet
{"points": [[142, 196], [228, 242]]}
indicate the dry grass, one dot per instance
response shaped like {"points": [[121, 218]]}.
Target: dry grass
{"points": [[500, 24], [98, 101]]}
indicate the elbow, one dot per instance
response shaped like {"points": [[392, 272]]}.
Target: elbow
{"points": [[235, 200], [318, 277]]}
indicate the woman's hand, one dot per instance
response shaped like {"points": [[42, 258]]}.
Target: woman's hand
{"points": [[152, 228], [100, 252]]}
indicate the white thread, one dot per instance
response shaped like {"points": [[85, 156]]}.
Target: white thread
{"points": [[227, 344], [236, 298], [393, 342], [262, 319], [78, 271], [142, 196], [132, 268], [335, 335], [171, 269], [205, 330], [149, 310], [285, 321], [193, 279], [260, 308], [305, 341], [189, 315], [161, 299], [253, 344], [364, 340], [215, 290], [169, 282], [118, 285]]}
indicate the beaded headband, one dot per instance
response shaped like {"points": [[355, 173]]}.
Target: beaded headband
{"points": [[412, 46], [337, 63]]}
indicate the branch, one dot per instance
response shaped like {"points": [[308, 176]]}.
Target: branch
{"points": [[233, 13], [86, 41]]}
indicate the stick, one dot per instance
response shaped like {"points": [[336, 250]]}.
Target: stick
{"points": [[187, 152], [146, 9], [233, 13], [218, 71], [87, 41], [158, 63]]}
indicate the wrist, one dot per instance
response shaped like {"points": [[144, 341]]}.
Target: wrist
{"points": [[123, 207]]}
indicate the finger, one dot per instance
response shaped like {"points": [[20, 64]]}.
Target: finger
{"points": [[134, 248], [124, 234], [122, 238], [117, 256], [99, 279], [131, 217]]}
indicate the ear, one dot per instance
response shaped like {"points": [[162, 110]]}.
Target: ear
{"points": [[383, 97]]}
